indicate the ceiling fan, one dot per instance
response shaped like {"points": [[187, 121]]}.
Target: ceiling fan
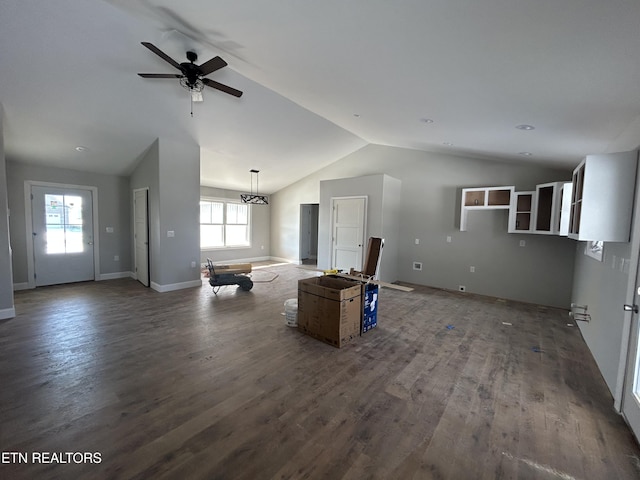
{"points": [[191, 75]]}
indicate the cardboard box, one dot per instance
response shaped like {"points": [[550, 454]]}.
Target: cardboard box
{"points": [[330, 309], [370, 307]]}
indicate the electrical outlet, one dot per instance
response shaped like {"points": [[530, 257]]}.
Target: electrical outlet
{"points": [[116, 258], [171, 233], [472, 269], [462, 288], [448, 238], [193, 264], [523, 243], [417, 241]]}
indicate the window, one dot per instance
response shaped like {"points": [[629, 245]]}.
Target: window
{"points": [[63, 219], [223, 224]]}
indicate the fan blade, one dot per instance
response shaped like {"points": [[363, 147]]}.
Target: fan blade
{"points": [[216, 63], [222, 87], [160, 75], [161, 54]]}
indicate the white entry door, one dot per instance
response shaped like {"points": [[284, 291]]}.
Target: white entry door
{"points": [[348, 229], [62, 223], [141, 235]]}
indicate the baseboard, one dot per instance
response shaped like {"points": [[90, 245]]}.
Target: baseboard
{"points": [[175, 286], [7, 313], [113, 276], [21, 286], [285, 260]]}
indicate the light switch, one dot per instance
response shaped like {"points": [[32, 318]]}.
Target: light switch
{"points": [[171, 233], [109, 229]]}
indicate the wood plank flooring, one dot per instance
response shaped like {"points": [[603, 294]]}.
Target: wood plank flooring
{"points": [[192, 385]]}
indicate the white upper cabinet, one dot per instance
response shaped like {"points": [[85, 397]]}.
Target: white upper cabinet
{"points": [[602, 197], [548, 208], [521, 217], [484, 198]]}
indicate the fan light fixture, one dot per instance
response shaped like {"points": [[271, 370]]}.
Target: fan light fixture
{"points": [[195, 89], [254, 198]]}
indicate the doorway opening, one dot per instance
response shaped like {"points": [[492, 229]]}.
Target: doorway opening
{"points": [[309, 233], [141, 235]]}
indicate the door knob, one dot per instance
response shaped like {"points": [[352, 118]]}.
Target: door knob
{"points": [[631, 308]]}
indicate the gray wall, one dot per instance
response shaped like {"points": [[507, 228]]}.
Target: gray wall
{"points": [[170, 169], [113, 211], [391, 208], [179, 211], [602, 286], [6, 280], [541, 272], [383, 198], [260, 231], [147, 175]]}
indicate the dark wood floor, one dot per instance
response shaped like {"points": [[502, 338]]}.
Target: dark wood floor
{"points": [[188, 384]]}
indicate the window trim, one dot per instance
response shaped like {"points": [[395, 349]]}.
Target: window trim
{"points": [[226, 201]]}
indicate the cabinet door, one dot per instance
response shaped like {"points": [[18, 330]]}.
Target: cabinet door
{"points": [[521, 214], [547, 210], [566, 191]]}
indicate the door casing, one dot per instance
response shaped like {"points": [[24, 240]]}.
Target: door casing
{"points": [[29, 225]]}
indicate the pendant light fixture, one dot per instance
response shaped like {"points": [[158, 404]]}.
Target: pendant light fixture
{"points": [[254, 198]]}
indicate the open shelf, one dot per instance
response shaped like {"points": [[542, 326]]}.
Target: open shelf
{"points": [[484, 198]]}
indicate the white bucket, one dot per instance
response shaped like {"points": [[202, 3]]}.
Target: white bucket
{"points": [[291, 312]]}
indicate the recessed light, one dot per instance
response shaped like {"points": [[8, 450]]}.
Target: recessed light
{"points": [[81, 148], [526, 154], [525, 127], [426, 120]]}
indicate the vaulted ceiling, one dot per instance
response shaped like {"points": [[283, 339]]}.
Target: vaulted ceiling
{"points": [[320, 80]]}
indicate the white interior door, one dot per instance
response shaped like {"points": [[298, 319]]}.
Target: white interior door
{"points": [[348, 229], [141, 235], [62, 224]]}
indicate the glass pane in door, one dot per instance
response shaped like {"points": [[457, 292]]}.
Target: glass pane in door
{"points": [[63, 223]]}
